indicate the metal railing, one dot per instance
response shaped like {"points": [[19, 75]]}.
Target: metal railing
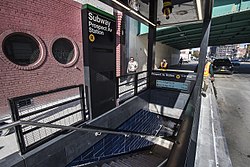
{"points": [[64, 106], [85, 128], [155, 136], [89, 128], [130, 85]]}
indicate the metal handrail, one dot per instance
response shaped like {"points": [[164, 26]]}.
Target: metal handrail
{"points": [[90, 128], [50, 107], [45, 92], [131, 74], [55, 120]]}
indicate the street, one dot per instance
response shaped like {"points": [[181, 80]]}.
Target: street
{"points": [[233, 97]]}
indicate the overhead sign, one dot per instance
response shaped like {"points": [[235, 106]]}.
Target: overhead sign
{"points": [[172, 85], [169, 74], [173, 80]]}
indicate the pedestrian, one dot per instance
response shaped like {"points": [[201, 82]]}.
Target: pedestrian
{"points": [[132, 67], [180, 61], [208, 74], [163, 65]]}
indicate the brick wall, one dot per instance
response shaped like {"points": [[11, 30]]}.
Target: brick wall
{"points": [[47, 19], [118, 43]]}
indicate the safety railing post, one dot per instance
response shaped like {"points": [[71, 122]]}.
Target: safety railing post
{"points": [[135, 83], [81, 92], [18, 128], [117, 87]]}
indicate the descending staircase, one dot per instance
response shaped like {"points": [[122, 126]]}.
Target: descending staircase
{"points": [[146, 158], [133, 151]]}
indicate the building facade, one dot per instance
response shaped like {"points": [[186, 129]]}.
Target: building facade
{"points": [[226, 50], [41, 47]]}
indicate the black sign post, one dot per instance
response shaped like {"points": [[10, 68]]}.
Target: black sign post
{"points": [[99, 48]]}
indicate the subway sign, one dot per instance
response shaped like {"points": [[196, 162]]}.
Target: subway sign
{"points": [[100, 26]]}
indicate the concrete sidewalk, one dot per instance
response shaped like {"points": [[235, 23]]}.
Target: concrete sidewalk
{"points": [[212, 147]]}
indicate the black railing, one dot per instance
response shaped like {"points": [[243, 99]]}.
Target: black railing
{"points": [[122, 140], [64, 106], [130, 85]]}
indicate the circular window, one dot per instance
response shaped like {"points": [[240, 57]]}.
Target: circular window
{"points": [[21, 49], [63, 50]]}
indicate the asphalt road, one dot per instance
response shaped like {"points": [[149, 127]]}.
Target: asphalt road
{"points": [[233, 97]]}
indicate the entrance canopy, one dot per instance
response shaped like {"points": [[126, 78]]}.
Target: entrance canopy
{"points": [[230, 25], [183, 11]]}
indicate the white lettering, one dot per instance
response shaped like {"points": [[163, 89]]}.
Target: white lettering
{"points": [[90, 16], [99, 20], [97, 25]]}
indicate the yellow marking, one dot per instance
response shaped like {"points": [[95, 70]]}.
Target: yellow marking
{"points": [[91, 38]]}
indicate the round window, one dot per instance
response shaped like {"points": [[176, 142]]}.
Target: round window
{"points": [[63, 50], [21, 49]]}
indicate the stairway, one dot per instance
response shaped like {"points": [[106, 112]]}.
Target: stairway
{"points": [[146, 158]]}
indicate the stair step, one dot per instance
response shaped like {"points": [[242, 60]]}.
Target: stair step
{"points": [[145, 158], [152, 156], [134, 162], [151, 160], [123, 163], [117, 164], [105, 165]]}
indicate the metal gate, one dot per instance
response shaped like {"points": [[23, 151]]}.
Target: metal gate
{"points": [[64, 106]]}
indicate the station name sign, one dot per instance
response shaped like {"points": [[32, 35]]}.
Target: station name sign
{"points": [[172, 85], [98, 25], [171, 75]]}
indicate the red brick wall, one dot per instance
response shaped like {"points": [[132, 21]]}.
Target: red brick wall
{"points": [[46, 19]]}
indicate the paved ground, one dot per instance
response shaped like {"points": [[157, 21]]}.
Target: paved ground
{"points": [[233, 96]]}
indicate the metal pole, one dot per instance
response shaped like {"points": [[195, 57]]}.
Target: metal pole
{"points": [[18, 128], [197, 89], [81, 92], [136, 84], [151, 37]]}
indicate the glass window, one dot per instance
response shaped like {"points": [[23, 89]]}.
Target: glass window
{"points": [[63, 50], [21, 49]]}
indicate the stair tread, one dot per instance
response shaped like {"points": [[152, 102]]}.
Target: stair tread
{"points": [[140, 159], [150, 157], [135, 162], [153, 156], [114, 164], [118, 164], [150, 160], [105, 165], [122, 162]]}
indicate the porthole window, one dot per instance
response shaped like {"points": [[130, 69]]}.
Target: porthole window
{"points": [[63, 50], [21, 49]]}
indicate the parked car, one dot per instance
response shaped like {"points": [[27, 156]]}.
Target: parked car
{"points": [[223, 66], [235, 62]]}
